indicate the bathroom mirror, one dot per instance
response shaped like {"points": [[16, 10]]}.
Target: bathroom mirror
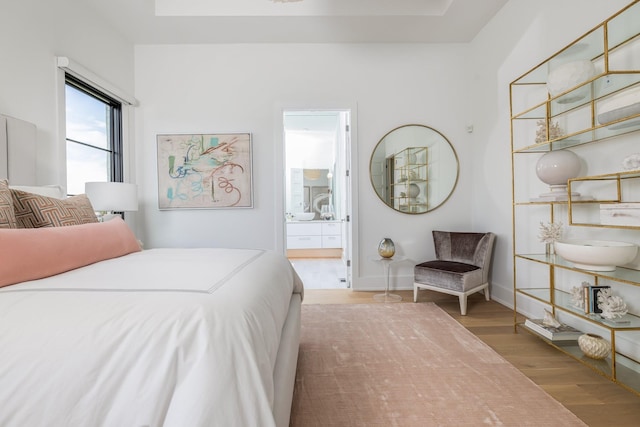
{"points": [[414, 169]]}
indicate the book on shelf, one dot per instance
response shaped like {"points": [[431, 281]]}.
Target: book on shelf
{"points": [[561, 333], [591, 298]]}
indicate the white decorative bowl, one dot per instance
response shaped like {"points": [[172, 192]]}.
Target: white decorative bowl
{"points": [[304, 216], [568, 75], [596, 255]]}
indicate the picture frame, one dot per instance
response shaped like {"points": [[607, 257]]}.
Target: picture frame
{"points": [[204, 171]]}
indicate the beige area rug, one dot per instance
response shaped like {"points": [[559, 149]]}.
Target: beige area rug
{"points": [[409, 365]]}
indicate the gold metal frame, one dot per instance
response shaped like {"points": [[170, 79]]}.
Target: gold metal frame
{"points": [[550, 295]]}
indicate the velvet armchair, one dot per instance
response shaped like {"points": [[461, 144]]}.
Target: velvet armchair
{"points": [[461, 267]]}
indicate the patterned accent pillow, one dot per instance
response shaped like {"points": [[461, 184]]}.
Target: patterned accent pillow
{"points": [[7, 216], [35, 211]]}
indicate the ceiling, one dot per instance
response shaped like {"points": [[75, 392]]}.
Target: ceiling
{"points": [[306, 21]]}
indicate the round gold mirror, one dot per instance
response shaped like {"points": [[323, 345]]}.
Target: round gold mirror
{"points": [[414, 169]]}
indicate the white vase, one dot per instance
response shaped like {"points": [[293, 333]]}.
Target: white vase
{"points": [[594, 346], [555, 168], [413, 190]]}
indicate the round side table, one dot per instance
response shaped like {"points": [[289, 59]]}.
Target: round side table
{"points": [[386, 265]]}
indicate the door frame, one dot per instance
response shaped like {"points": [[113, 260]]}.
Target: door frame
{"points": [[351, 229]]}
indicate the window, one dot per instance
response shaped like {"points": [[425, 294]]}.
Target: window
{"points": [[94, 136]]}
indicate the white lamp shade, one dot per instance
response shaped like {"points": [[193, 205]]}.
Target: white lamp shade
{"points": [[112, 196]]}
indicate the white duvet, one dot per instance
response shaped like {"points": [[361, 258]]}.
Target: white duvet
{"points": [[162, 337]]}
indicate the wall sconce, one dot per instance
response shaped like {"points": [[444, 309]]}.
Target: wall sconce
{"points": [[110, 197]]}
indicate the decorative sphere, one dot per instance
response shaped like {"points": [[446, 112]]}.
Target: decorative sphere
{"points": [[386, 248], [413, 191], [594, 346], [557, 167]]}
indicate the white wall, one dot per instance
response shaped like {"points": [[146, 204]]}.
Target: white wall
{"points": [[243, 88], [522, 35], [207, 88], [32, 34]]}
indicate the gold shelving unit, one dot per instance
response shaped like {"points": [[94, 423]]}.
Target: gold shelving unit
{"points": [[540, 123], [411, 173]]}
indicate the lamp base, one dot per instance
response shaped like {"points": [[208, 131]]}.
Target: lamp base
{"points": [[106, 216]]}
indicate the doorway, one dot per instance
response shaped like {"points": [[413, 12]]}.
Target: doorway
{"points": [[317, 147]]}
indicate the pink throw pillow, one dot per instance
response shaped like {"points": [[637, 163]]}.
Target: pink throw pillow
{"points": [[34, 253]]}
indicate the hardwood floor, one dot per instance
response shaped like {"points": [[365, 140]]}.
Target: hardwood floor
{"points": [[593, 398]]}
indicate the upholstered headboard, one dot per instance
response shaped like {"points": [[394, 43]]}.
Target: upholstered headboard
{"points": [[17, 151]]}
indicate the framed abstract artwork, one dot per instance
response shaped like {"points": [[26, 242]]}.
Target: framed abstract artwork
{"points": [[205, 171]]}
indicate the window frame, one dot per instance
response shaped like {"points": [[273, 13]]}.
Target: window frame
{"points": [[114, 129]]}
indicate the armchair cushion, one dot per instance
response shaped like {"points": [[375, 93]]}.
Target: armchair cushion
{"points": [[452, 275]]}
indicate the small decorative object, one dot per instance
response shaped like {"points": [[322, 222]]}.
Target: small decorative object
{"points": [[631, 162], [326, 212], [612, 306], [413, 190], [549, 234], [577, 295], [569, 75], [555, 131], [594, 346], [555, 168], [386, 248], [550, 320]]}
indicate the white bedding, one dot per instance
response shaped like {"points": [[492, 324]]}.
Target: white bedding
{"points": [[162, 337]]}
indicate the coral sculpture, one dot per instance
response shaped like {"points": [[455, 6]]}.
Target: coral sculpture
{"points": [[577, 295], [550, 232], [612, 306], [631, 162], [555, 131]]}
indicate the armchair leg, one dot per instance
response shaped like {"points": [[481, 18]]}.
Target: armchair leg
{"points": [[487, 296], [415, 293], [463, 304]]}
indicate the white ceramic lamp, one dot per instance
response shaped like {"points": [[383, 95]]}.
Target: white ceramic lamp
{"points": [[555, 168], [109, 197]]}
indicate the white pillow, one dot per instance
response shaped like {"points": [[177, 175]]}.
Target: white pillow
{"points": [[45, 190]]}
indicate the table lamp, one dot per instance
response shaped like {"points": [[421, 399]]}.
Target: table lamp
{"points": [[110, 197]]}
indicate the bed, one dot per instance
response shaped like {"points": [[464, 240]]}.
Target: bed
{"points": [[95, 331]]}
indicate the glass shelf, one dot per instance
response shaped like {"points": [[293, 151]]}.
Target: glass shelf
{"points": [[585, 136], [620, 274], [600, 86]]}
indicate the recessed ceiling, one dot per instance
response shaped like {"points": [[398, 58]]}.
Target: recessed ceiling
{"points": [[302, 8], [306, 21]]}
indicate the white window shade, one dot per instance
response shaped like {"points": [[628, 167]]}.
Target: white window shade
{"points": [[94, 80]]}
